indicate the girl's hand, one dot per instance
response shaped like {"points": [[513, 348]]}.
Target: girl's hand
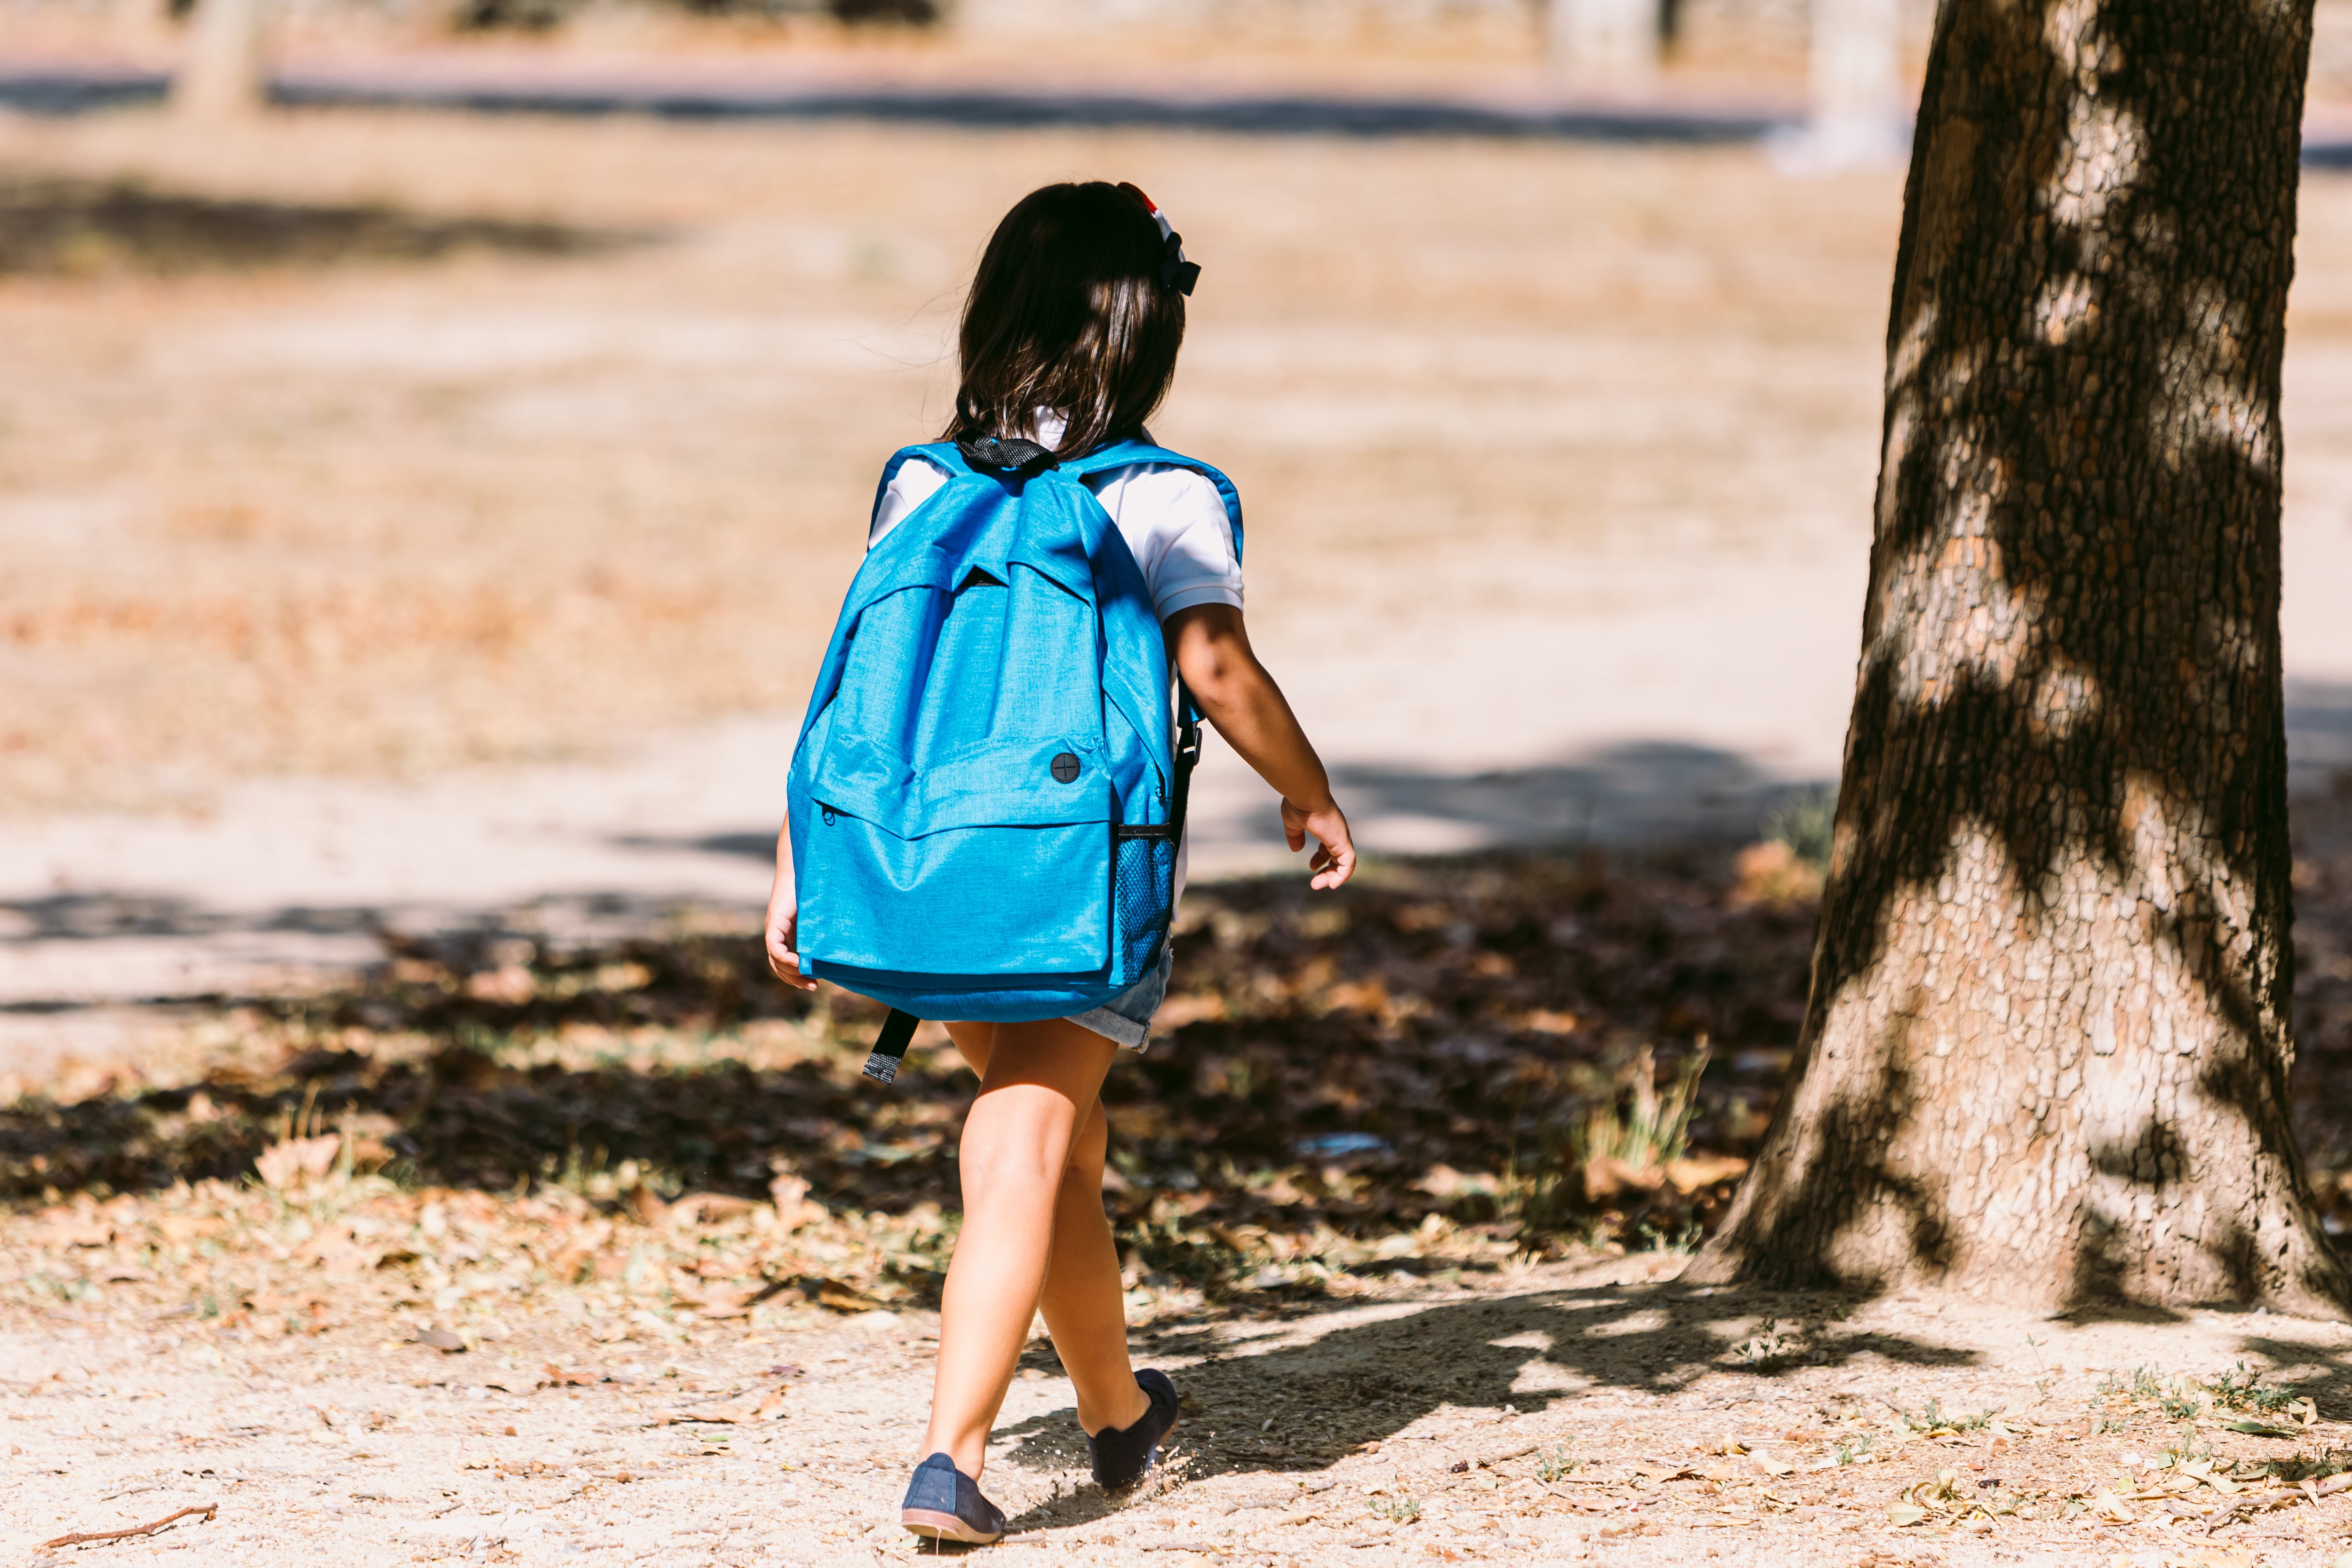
{"points": [[1211, 648], [782, 932], [1334, 861]]}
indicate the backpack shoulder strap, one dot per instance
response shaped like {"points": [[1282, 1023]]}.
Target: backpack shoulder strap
{"points": [[1130, 453], [942, 453]]}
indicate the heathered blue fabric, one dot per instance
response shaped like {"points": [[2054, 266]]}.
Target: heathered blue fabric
{"points": [[942, 866]]}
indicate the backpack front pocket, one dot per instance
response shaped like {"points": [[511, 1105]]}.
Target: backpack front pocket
{"points": [[967, 901]]}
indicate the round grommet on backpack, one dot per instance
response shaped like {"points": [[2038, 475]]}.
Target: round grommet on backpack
{"points": [[1065, 768]]}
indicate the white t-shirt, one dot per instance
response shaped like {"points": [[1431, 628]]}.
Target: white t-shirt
{"points": [[1173, 518]]}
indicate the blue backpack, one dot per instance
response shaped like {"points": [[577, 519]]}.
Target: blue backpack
{"points": [[986, 797]]}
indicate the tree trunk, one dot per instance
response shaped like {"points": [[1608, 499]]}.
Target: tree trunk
{"points": [[2046, 1053], [224, 72], [1855, 119], [1606, 43]]}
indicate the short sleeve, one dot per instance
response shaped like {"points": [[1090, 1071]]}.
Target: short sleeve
{"points": [[1175, 524], [916, 482]]}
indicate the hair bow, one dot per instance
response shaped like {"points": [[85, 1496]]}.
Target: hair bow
{"points": [[1175, 272]]}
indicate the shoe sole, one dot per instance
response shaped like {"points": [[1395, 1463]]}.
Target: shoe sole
{"points": [[933, 1525]]}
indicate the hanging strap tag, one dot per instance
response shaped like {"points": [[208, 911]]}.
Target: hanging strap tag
{"points": [[1188, 753], [890, 1046]]}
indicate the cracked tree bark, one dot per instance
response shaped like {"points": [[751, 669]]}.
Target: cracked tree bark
{"points": [[2045, 1057]]}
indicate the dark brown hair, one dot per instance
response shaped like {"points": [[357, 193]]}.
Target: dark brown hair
{"points": [[1069, 312]]}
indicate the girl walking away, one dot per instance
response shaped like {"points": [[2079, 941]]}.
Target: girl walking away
{"points": [[987, 800]]}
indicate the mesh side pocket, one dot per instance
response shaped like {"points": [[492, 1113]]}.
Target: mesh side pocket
{"points": [[1143, 895]]}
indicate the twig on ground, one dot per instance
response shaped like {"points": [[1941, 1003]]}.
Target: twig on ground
{"points": [[84, 1538], [2229, 1512]]}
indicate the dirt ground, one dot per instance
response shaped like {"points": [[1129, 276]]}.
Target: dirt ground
{"points": [[571, 438], [524, 1251], [371, 443], [1551, 1413], [363, 446]]}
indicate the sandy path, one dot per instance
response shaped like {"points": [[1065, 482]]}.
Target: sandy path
{"points": [[1308, 1430]]}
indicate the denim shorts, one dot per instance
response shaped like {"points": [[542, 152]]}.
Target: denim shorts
{"points": [[1127, 1017]]}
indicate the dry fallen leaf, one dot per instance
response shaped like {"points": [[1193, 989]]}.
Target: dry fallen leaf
{"points": [[736, 1413], [1658, 1471], [1605, 1176], [795, 1208], [1905, 1513], [290, 1161], [838, 1296], [714, 1300], [74, 1231], [1689, 1175], [702, 1208]]}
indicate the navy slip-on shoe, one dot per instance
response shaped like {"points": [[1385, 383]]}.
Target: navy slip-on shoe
{"points": [[1126, 1457], [944, 1504]]}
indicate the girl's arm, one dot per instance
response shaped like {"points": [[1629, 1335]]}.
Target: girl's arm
{"points": [[784, 917], [1211, 650]]}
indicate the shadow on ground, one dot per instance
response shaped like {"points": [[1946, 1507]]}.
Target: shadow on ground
{"points": [[1645, 793], [73, 93], [1465, 1012], [1650, 794], [566, 922], [78, 227], [1330, 1073], [103, 917], [1352, 1065], [1364, 1382]]}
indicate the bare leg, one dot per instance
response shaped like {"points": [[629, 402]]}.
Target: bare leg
{"points": [[1085, 1307], [1039, 1084]]}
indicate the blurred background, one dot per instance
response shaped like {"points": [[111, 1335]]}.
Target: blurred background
{"points": [[435, 435]]}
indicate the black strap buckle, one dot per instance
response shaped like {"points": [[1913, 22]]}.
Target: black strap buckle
{"points": [[1022, 459], [1188, 752], [890, 1046]]}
